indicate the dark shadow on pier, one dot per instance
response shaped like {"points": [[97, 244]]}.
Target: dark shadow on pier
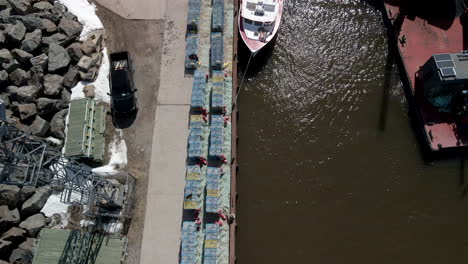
{"points": [[124, 121]]}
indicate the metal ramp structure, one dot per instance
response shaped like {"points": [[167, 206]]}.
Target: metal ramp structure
{"points": [[78, 247], [27, 160], [86, 127], [210, 250]]}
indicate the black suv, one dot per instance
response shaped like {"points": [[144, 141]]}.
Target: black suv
{"points": [[122, 92]]}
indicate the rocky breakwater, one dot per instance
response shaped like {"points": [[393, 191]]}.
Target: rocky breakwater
{"points": [[42, 57], [20, 221]]}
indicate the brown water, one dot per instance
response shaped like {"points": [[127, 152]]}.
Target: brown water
{"points": [[330, 168]]}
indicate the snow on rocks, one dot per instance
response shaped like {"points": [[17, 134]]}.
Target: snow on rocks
{"points": [[86, 14]]}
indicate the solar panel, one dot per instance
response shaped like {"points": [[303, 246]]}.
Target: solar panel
{"points": [[448, 72], [444, 64], [443, 57]]}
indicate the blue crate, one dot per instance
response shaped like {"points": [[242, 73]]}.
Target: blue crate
{"points": [[195, 149], [189, 243], [193, 15], [196, 121], [217, 121], [191, 51], [198, 100], [217, 52], [217, 18]]}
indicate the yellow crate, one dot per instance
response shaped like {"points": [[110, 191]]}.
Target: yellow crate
{"points": [[190, 205], [212, 193], [193, 176], [211, 243], [196, 118]]}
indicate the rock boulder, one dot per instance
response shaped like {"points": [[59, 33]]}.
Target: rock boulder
{"points": [[21, 6], [70, 27], [46, 106], [27, 111], [27, 94], [9, 195], [34, 204], [22, 56], [14, 235], [58, 57], [8, 218], [21, 256], [18, 77], [15, 33], [53, 84], [5, 249], [32, 41], [33, 224], [39, 127], [57, 125]]}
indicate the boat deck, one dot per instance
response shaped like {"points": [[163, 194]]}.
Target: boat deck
{"points": [[418, 38]]}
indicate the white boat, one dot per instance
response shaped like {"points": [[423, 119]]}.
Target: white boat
{"points": [[259, 21]]}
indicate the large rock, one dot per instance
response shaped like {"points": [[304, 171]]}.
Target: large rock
{"points": [[32, 41], [36, 76], [46, 106], [28, 245], [5, 249], [39, 128], [5, 56], [71, 78], [12, 92], [57, 38], [65, 96], [21, 256], [58, 10], [32, 23], [2, 38], [3, 78], [5, 14], [33, 224], [53, 84], [8, 218], [90, 75], [57, 125], [9, 195], [48, 26], [27, 111], [22, 56], [21, 6], [14, 235], [4, 4], [48, 15], [75, 52], [25, 193], [42, 6], [40, 61], [18, 77], [27, 94], [58, 57], [11, 65], [34, 204], [92, 43], [70, 27], [15, 32], [86, 63], [89, 91]]}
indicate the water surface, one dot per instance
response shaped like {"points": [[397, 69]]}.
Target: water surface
{"points": [[330, 168]]}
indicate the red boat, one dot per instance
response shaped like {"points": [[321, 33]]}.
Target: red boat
{"points": [[431, 41]]}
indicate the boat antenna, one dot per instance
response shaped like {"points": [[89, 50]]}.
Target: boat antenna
{"points": [[243, 77]]}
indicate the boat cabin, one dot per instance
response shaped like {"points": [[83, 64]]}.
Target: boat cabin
{"points": [[259, 18], [444, 79]]}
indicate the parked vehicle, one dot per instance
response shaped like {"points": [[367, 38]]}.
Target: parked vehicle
{"points": [[122, 91]]}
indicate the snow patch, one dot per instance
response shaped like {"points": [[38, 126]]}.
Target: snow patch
{"points": [[86, 14], [118, 159], [101, 84]]}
